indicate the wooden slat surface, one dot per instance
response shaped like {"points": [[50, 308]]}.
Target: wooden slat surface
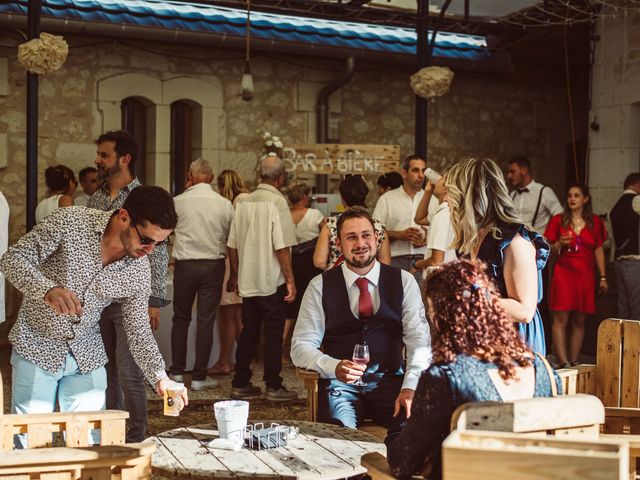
{"points": [[490, 456], [39, 435], [112, 431], [609, 358], [630, 364], [234, 461], [320, 451], [102, 473], [77, 434], [586, 382]]}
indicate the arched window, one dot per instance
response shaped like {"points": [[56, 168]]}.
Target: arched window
{"points": [[134, 120], [183, 142]]}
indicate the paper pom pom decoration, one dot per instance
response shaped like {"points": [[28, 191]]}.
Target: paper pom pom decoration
{"points": [[43, 55], [431, 82]]}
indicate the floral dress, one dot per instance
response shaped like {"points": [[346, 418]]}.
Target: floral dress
{"points": [[335, 254]]}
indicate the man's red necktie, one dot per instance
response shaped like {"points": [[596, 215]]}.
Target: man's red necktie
{"points": [[365, 306]]}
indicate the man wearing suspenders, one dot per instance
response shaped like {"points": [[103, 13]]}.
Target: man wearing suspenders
{"points": [[536, 204]]}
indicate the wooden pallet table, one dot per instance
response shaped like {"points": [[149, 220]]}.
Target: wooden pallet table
{"points": [[320, 451]]}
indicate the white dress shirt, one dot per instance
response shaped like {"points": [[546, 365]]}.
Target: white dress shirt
{"points": [[310, 327], [262, 224], [635, 203], [526, 200], [440, 236], [81, 199], [204, 219], [308, 227], [396, 210]]}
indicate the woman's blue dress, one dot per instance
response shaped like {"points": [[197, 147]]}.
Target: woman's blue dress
{"points": [[492, 252]]}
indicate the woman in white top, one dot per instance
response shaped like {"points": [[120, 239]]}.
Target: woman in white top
{"points": [[61, 183], [231, 186], [308, 223]]}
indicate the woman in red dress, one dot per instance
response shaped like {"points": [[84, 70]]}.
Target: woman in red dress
{"points": [[576, 236]]}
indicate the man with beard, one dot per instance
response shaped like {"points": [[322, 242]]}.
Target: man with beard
{"points": [[116, 157], [69, 267], [363, 301], [396, 209]]}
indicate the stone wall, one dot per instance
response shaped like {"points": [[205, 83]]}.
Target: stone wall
{"points": [[615, 115], [482, 114]]}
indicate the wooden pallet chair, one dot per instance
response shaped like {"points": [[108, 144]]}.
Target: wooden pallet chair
{"points": [[578, 379], [109, 462], [310, 381], [74, 428], [573, 418], [618, 375]]}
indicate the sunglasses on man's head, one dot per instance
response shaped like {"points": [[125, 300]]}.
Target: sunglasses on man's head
{"points": [[146, 240]]}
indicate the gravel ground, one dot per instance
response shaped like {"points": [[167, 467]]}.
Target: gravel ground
{"points": [[200, 409]]}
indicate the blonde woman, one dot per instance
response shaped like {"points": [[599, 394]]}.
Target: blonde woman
{"points": [[231, 186], [487, 227]]}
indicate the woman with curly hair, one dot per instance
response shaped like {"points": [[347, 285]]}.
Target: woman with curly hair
{"points": [[487, 227], [477, 356]]}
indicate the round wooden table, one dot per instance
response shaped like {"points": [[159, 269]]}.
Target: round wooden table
{"points": [[319, 451]]}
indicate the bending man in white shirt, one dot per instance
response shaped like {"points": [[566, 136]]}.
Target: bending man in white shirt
{"points": [[363, 301]]}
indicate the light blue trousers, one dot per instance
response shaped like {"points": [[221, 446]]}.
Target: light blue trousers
{"points": [[35, 390]]}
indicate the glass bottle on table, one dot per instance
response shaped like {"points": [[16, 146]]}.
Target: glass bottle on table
{"points": [[361, 357]]}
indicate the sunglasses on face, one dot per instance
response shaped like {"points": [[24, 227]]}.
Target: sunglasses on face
{"points": [[146, 240]]}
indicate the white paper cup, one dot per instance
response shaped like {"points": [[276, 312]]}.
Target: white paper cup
{"points": [[432, 175], [173, 398], [231, 418]]}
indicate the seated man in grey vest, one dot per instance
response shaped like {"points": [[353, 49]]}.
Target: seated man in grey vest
{"points": [[363, 302]]}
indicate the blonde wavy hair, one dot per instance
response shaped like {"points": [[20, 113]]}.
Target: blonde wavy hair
{"points": [[478, 199], [230, 185]]}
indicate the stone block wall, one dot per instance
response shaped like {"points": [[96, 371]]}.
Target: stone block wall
{"points": [[489, 115], [614, 147]]}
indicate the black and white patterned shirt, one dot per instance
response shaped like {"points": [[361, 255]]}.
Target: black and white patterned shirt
{"points": [[159, 259], [64, 251]]}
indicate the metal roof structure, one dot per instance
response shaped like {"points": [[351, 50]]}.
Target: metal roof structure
{"points": [[187, 18]]}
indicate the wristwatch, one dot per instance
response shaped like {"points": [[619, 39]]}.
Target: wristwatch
{"points": [[413, 264]]}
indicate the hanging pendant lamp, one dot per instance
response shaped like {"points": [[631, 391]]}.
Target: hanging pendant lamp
{"points": [[246, 85]]}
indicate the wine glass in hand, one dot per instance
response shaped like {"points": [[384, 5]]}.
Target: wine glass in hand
{"points": [[361, 357]]}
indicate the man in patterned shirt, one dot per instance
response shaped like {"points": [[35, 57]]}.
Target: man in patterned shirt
{"points": [[69, 267], [115, 160]]}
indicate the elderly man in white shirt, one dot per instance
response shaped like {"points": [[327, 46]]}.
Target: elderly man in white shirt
{"points": [[363, 302], [260, 241], [204, 219], [535, 202], [396, 210]]}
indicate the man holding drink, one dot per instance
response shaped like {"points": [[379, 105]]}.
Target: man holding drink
{"points": [[69, 268], [396, 209], [362, 302]]}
